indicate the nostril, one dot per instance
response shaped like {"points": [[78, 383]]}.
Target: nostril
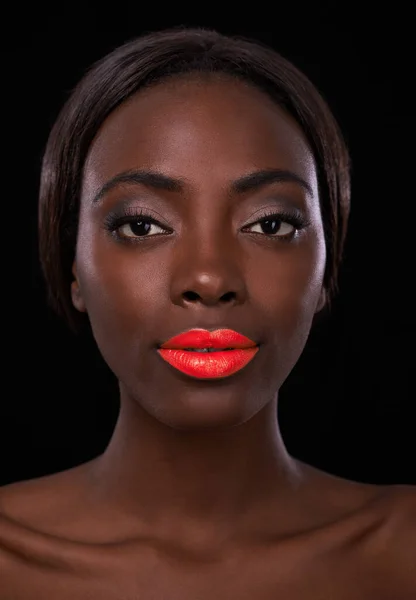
{"points": [[228, 296], [191, 295]]}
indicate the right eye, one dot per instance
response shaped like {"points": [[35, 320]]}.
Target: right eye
{"points": [[133, 225], [136, 228]]}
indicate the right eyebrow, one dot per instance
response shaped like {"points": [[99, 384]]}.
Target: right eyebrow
{"points": [[148, 178]]}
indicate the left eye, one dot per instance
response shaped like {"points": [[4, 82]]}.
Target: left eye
{"points": [[273, 225]]}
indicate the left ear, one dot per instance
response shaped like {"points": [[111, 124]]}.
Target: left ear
{"points": [[76, 294], [321, 301]]}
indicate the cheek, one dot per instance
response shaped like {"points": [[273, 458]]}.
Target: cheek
{"points": [[122, 302], [122, 288], [288, 287], [286, 291], [118, 284]]}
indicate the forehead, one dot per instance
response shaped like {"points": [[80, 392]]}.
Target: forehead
{"points": [[209, 128]]}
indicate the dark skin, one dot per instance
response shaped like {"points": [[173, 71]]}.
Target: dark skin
{"points": [[196, 496]]}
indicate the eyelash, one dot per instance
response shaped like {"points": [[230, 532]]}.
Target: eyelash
{"points": [[117, 219]]}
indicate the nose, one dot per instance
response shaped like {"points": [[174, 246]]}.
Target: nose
{"points": [[208, 290], [208, 276]]}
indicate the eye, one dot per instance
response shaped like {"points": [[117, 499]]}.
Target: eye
{"points": [[139, 228], [282, 225], [271, 225], [129, 224]]}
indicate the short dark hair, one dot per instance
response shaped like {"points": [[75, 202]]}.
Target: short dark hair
{"points": [[149, 59]]}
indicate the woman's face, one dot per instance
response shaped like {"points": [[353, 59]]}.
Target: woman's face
{"points": [[209, 262]]}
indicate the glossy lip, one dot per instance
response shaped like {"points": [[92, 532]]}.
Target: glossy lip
{"points": [[202, 338], [210, 365]]}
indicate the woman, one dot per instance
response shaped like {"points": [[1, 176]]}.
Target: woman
{"points": [[193, 210]]}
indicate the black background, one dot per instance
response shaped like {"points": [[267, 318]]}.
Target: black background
{"points": [[347, 405]]}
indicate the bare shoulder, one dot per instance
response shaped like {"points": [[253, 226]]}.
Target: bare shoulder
{"points": [[39, 495], [399, 506], [42, 504], [374, 529], [395, 540], [403, 504], [400, 530], [28, 509], [377, 538]]}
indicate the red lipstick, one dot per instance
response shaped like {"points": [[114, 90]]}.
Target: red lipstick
{"points": [[209, 354]]}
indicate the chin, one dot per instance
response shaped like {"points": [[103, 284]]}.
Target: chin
{"points": [[206, 410]]}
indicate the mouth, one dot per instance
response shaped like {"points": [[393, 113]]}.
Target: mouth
{"points": [[209, 355]]}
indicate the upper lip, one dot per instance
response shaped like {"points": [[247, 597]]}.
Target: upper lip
{"points": [[202, 338]]}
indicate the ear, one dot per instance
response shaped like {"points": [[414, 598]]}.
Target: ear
{"points": [[76, 295], [321, 301]]}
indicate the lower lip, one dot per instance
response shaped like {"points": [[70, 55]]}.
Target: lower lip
{"points": [[209, 365]]}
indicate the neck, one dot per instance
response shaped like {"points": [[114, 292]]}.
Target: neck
{"points": [[214, 480]]}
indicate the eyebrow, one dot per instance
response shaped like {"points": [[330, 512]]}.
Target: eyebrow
{"points": [[158, 181]]}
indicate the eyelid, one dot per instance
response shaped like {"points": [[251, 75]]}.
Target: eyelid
{"points": [[124, 214], [293, 216], [142, 211]]}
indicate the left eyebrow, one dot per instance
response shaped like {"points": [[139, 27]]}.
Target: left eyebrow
{"points": [[259, 179], [158, 181]]}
